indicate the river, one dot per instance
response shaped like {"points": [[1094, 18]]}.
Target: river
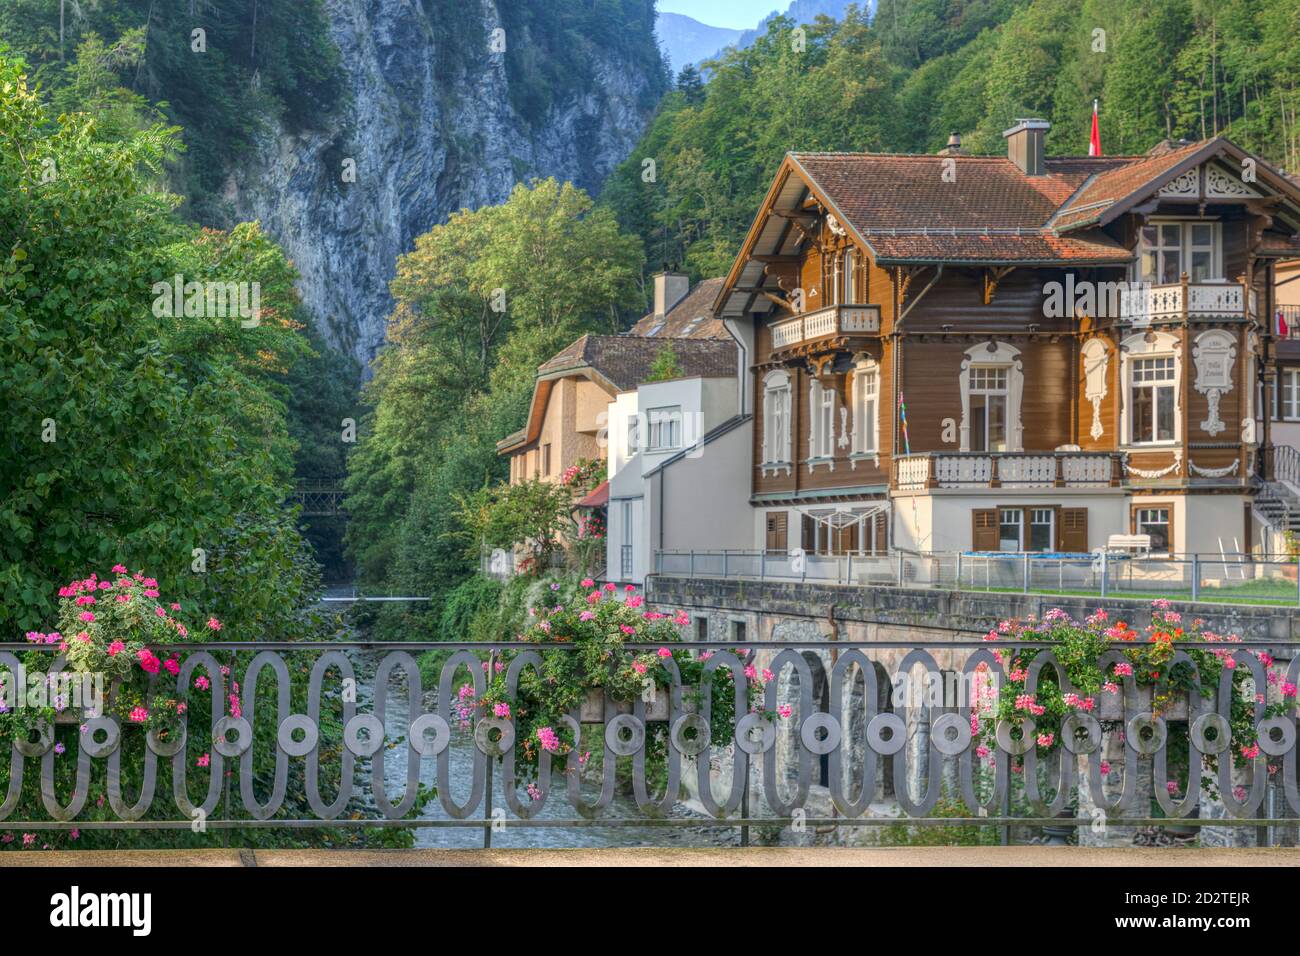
{"points": [[397, 722]]}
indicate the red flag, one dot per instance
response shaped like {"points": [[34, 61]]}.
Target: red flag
{"points": [[1282, 328], [1094, 142]]}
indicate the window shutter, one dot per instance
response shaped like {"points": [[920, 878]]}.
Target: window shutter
{"points": [[809, 535], [882, 532], [1074, 530], [776, 532], [984, 533]]}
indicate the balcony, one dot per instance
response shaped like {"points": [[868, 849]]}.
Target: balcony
{"points": [[1069, 469], [825, 326], [1185, 300]]}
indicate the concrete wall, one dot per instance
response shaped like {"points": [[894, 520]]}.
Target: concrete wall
{"points": [[958, 613], [698, 503], [724, 611]]}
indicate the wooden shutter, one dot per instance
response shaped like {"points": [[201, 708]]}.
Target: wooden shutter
{"points": [[984, 529], [1074, 530], [809, 534], [776, 531], [882, 532]]}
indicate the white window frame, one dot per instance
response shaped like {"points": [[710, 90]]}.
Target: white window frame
{"points": [[1034, 515], [1288, 405], [1134, 347], [777, 408], [821, 421], [866, 408], [1155, 386], [1185, 248], [667, 417], [1020, 535], [633, 434], [1138, 524], [1001, 355], [848, 290], [626, 556]]}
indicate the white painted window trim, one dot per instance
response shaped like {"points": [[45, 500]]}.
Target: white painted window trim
{"points": [[1005, 356], [821, 424], [1136, 346], [777, 397], [866, 434], [1184, 247], [657, 419]]}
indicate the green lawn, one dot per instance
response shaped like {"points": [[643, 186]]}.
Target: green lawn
{"points": [[1277, 592]]}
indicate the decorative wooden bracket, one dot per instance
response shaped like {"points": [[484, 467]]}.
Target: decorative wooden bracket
{"points": [[903, 277], [992, 276], [772, 297], [819, 362]]}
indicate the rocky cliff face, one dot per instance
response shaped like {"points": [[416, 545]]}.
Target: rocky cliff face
{"points": [[430, 128]]}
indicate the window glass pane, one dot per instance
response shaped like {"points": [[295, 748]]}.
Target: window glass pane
{"points": [[997, 422], [1202, 266], [1171, 265], [1169, 235], [1009, 529], [1165, 413], [1143, 415], [1202, 234], [978, 431], [1154, 522], [1040, 529]]}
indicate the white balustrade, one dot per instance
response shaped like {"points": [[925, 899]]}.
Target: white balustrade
{"points": [[913, 471], [957, 471], [835, 320], [1027, 471], [1203, 298], [785, 334], [1086, 470]]}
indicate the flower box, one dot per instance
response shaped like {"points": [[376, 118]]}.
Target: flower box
{"points": [[593, 708], [1111, 706]]}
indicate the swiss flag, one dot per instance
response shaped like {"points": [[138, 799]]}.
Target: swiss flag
{"points": [[1094, 142]]}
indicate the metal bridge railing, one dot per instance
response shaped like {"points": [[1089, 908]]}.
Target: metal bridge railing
{"points": [[844, 738], [1216, 577]]}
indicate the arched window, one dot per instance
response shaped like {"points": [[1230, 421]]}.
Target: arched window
{"points": [[866, 407], [1153, 369], [821, 410], [992, 382], [776, 420]]}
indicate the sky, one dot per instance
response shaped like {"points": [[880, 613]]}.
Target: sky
{"points": [[737, 14]]}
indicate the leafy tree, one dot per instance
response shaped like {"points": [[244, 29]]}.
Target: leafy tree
{"points": [[132, 435], [533, 515], [481, 301], [690, 85], [665, 365]]}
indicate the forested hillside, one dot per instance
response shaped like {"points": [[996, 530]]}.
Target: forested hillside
{"points": [[921, 69]]}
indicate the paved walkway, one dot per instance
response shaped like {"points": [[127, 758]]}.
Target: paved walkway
{"points": [[753, 856]]}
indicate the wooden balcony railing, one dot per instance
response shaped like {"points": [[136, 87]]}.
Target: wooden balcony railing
{"points": [[1053, 469], [835, 320], [1182, 300]]}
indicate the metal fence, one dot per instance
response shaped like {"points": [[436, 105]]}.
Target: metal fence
{"points": [[830, 739], [1220, 578]]}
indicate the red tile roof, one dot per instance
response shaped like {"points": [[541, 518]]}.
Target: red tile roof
{"points": [[625, 360], [979, 208], [1116, 184], [691, 318]]}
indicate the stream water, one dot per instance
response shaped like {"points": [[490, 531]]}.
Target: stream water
{"points": [[397, 722]]}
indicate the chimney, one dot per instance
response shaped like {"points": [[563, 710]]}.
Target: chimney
{"points": [[1025, 145], [954, 145], [670, 288]]}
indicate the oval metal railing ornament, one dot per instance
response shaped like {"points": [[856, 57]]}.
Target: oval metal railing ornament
{"points": [[822, 729]]}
